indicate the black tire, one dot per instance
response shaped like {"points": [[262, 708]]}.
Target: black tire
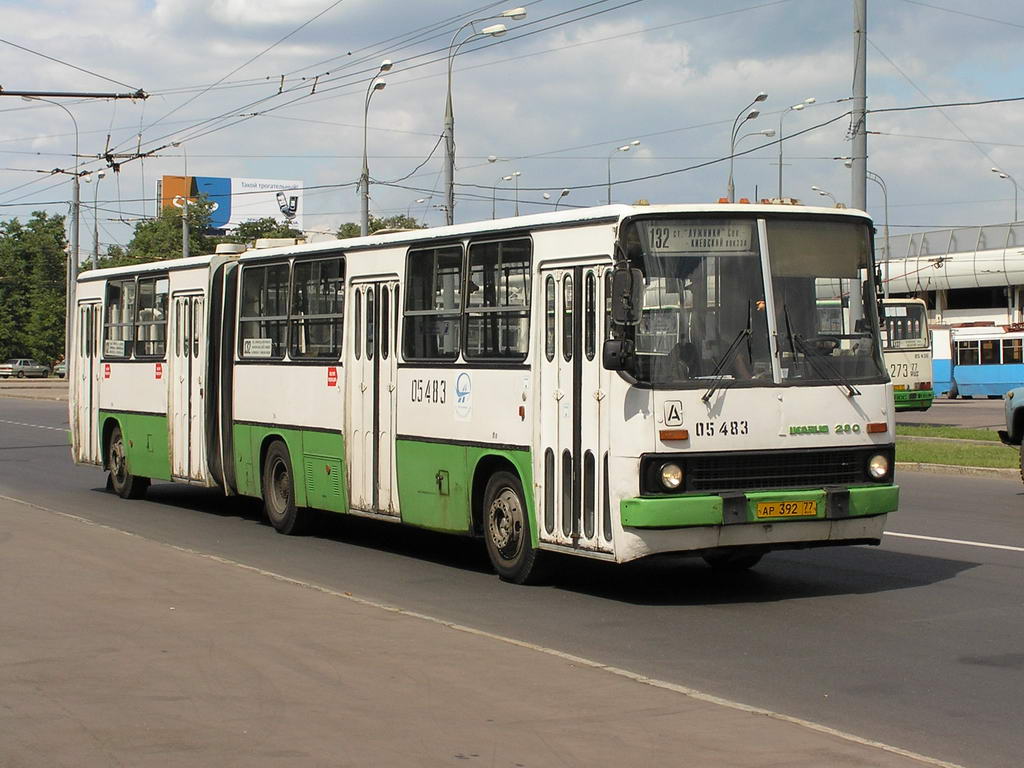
{"points": [[278, 485], [1022, 462], [507, 532], [20, 374], [121, 481], [954, 392], [733, 560]]}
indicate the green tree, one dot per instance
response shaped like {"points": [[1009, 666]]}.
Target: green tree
{"points": [[14, 290], [401, 221], [160, 238], [32, 287], [249, 231]]}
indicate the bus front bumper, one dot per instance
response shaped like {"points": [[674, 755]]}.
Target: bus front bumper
{"points": [[698, 523], [749, 508]]}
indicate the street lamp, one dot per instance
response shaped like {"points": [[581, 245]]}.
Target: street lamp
{"points": [[494, 30], [623, 148], [364, 179], [752, 114], [885, 198], [494, 190], [76, 208], [95, 218], [795, 108], [408, 211], [1004, 175], [824, 193]]}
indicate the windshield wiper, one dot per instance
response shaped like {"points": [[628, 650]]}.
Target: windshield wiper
{"points": [[730, 353], [821, 365]]}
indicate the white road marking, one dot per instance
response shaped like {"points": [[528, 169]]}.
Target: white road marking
{"points": [[36, 426], [956, 541], [692, 693]]}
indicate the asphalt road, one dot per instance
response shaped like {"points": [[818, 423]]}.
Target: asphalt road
{"points": [[916, 643], [977, 413]]}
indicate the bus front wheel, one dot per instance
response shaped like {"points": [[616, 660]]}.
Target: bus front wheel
{"points": [[122, 482], [279, 492], [507, 531]]}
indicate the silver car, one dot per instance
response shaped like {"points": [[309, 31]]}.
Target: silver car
{"points": [[23, 367]]}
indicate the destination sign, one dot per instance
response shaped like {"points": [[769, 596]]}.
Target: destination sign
{"points": [[699, 236]]}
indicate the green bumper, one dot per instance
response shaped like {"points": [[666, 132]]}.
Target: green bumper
{"points": [[688, 511], [913, 398]]}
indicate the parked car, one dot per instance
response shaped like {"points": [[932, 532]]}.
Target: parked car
{"points": [[60, 370], [1013, 404], [23, 367]]}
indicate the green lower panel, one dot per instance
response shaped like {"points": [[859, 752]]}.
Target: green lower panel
{"points": [[686, 511], [318, 464], [435, 484], [671, 513], [878, 500], [145, 442], [914, 399]]}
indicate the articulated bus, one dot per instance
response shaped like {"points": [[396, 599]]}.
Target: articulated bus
{"points": [[500, 379], [907, 349]]}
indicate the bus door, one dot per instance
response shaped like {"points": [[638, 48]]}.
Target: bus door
{"points": [[185, 412], [86, 370], [372, 381], [572, 428]]}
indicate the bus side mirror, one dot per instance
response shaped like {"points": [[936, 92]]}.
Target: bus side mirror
{"points": [[627, 296], [616, 353]]}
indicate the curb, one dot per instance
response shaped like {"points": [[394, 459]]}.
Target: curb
{"points": [[953, 469], [927, 439]]}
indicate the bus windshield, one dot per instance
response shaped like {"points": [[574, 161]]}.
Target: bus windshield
{"points": [[705, 314], [905, 326]]}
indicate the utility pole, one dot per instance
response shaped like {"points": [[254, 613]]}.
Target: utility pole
{"points": [[859, 173], [76, 198]]}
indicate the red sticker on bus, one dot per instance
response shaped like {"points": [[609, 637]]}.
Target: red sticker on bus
{"points": [[159, 370], [106, 370], [332, 377]]}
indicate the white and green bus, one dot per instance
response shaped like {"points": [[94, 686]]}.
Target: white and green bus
{"points": [[907, 350], [500, 379]]}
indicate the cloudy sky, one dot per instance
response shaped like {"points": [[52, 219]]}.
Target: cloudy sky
{"points": [[275, 89]]}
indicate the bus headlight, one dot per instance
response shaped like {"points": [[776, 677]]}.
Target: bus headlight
{"points": [[671, 476], [879, 466]]}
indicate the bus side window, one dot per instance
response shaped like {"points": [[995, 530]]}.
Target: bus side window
{"points": [[118, 332], [316, 314], [498, 300], [590, 315], [567, 318], [263, 314], [151, 325], [385, 321], [549, 318], [433, 303]]}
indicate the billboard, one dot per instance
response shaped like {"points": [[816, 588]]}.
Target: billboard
{"points": [[236, 200]]}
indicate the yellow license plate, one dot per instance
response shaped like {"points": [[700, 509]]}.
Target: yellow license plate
{"points": [[771, 509]]}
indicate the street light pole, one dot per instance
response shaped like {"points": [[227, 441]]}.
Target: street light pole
{"points": [[888, 255], [753, 113], [795, 108], [516, 175], [623, 148], [1005, 175], [561, 194], [364, 178], [494, 191], [495, 30]]}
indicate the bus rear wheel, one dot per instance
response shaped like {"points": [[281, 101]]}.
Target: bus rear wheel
{"points": [[507, 531], [122, 482], [279, 492]]}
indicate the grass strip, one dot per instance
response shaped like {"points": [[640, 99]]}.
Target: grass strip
{"points": [[957, 454], [956, 433]]}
